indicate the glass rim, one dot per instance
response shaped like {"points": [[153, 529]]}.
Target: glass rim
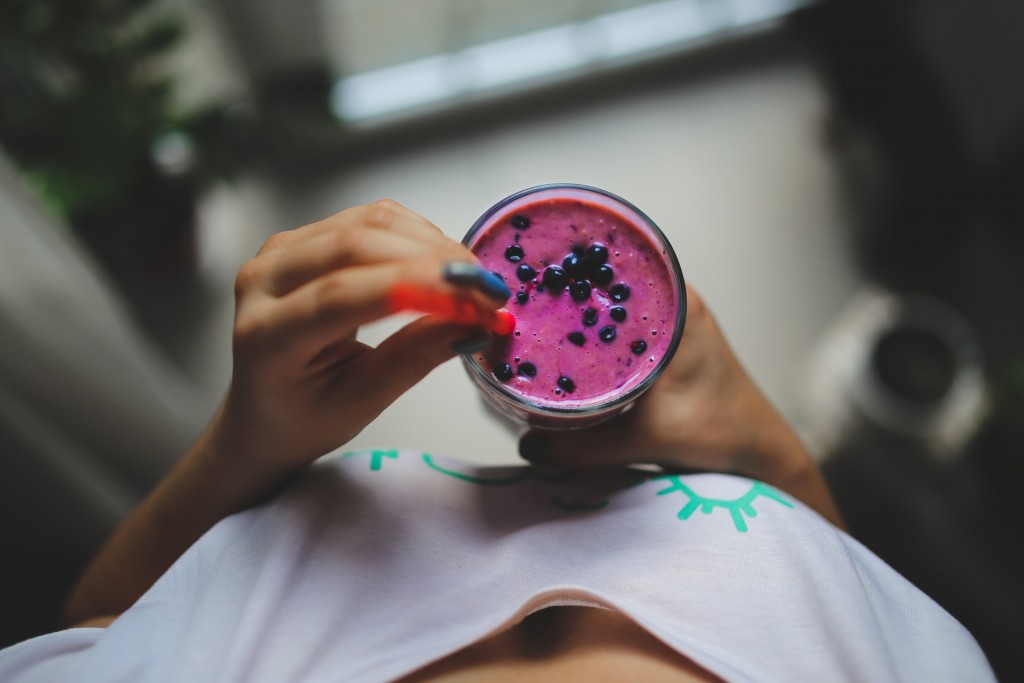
{"points": [[680, 323]]}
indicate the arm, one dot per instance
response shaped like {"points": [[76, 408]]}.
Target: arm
{"points": [[704, 413], [301, 383], [210, 482]]}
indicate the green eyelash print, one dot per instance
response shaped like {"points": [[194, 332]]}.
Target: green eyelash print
{"points": [[376, 457], [527, 473], [519, 477], [737, 508], [740, 509]]}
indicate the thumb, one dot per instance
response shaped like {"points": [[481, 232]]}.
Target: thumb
{"points": [[619, 441], [407, 356]]}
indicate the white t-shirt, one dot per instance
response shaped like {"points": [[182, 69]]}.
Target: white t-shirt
{"points": [[376, 563]]}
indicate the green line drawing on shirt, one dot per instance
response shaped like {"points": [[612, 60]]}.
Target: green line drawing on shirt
{"points": [[376, 457], [521, 476], [577, 505], [737, 508], [517, 478]]}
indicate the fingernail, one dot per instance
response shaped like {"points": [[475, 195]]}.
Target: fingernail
{"points": [[471, 344], [465, 274], [535, 447]]}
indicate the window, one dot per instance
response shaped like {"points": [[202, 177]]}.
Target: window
{"points": [[397, 58]]}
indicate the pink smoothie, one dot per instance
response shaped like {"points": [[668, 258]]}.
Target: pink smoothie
{"points": [[595, 301]]}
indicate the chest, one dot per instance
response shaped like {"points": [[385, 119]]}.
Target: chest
{"points": [[566, 643]]}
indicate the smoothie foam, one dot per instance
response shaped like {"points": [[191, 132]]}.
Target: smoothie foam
{"points": [[596, 297]]}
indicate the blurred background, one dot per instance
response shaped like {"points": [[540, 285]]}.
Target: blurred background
{"points": [[843, 180]]}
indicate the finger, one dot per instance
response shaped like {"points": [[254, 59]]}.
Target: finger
{"points": [[280, 240], [335, 305], [618, 441], [407, 356], [384, 215], [388, 214], [306, 260]]}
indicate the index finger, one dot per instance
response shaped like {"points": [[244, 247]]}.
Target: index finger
{"points": [[384, 214], [333, 306]]}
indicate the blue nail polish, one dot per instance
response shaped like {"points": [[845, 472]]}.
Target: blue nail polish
{"points": [[477, 342], [492, 285], [465, 274]]}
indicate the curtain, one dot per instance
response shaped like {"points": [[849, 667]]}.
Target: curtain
{"points": [[91, 413]]}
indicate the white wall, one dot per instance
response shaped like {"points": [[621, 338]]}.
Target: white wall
{"points": [[90, 413], [730, 167]]}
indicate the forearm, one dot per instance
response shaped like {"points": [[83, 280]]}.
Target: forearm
{"points": [[207, 485], [807, 483], [779, 458], [302, 383]]}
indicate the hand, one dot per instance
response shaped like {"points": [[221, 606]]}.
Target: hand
{"points": [[704, 413], [302, 384]]}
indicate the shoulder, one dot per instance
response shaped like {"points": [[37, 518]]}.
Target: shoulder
{"points": [[49, 658]]}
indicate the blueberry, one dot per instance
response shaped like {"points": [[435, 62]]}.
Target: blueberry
{"points": [[590, 317], [522, 298], [573, 265], [503, 372], [603, 274], [607, 333], [555, 278], [576, 338], [638, 347], [618, 313], [525, 273], [578, 249], [514, 253], [520, 222], [580, 290], [567, 384], [619, 292], [528, 369], [596, 255]]}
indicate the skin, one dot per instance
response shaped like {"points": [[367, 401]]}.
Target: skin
{"points": [[703, 414], [567, 644], [302, 385]]}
